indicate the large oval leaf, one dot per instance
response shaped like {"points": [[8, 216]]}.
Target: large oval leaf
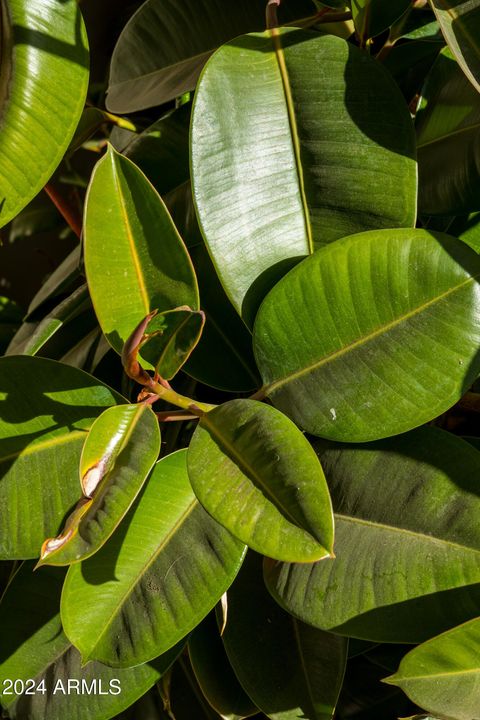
{"points": [[34, 648], [214, 673], [303, 157], [448, 121], [159, 575], [373, 335], [443, 674], [43, 85], [135, 260], [289, 669], [119, 452], [257, 474], [407, 541], [164, 46], [46, 409], [460, 23]]}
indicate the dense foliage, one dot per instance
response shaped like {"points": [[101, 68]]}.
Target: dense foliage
{"points": [[237, 420]]}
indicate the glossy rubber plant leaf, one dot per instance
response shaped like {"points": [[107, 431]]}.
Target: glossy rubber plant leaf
{"points": [[460, 24], [119, 452], [164, 46], [373, 335], [159, 574], [214, 673], [448, 121], [407, 541], [290, 670], [37, 654], [303, 157], [372, 17], [443, 674], [257, 474], [135, 260], [43, 85], [174, 335], [46, 409]]}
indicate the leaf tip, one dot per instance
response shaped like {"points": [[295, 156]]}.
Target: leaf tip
{"points": [[391, 680]]}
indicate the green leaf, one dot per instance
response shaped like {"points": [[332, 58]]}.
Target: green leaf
{"points": [[44, 78], [135, 260], [303, 157], [67, 310], [145, 72], [258, 475], [174, 335], [46, 409], [372, 17], [289, 669], [443, 674], [34, 648], [460, 24], [159, 574], [373, 335], [119, 452], [214, 673], [467, 229], [448, 120], [407, 541]]}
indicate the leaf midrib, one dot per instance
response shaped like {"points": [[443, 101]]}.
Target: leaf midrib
{"points": [[282, 66], [131, 241], [124, 596], [459, 131], [251, 473], [45, 444], [278, 384], [404, 531]]}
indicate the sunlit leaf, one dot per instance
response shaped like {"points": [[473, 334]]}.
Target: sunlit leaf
{"points": [[407, 541], [159, 575], [256, 473]]}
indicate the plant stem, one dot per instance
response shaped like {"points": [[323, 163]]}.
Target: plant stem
{"points": [[175, 416], [272, 16], [169, 395]]}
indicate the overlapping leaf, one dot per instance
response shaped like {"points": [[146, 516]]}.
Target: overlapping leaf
{"points": [[46, 409], [158, 576], [371, 17], [214, 673], [134, 258], [44, 78], [373, 335], [289, 669], [35, 649], [146, 72], [174, 335], [407, 541], [460, 23], [443, 674], [256, 473], [304, 156], [119, 452], [448, 121]]}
